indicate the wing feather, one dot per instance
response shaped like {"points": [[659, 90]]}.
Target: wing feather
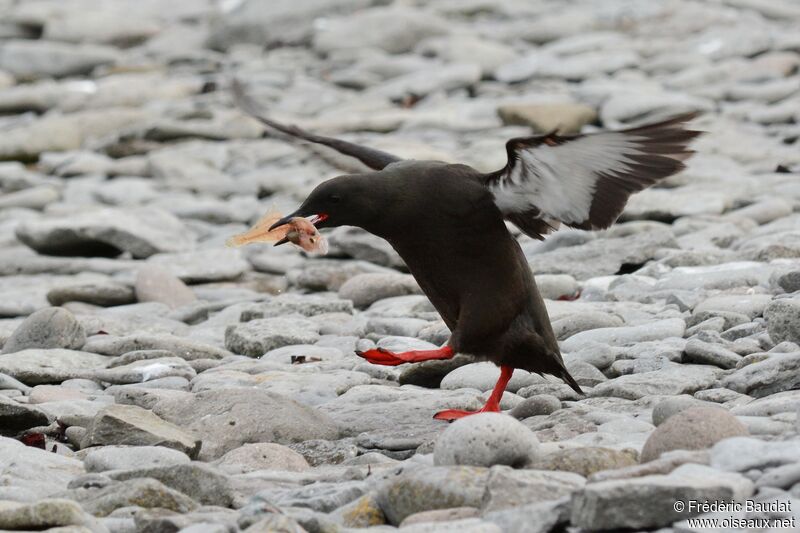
{"points": [[584, 181]]}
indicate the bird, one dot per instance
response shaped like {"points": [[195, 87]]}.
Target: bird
{"points": [[448, 222]]}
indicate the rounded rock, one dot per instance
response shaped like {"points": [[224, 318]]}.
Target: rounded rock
{"points": [[52, 327], [105, 458], [541, 404], [790, 281], [486, 439], [783, 320], [366, 289], [696, 428], [586, 460], [672, 406], [262, 456], [157, 284]]}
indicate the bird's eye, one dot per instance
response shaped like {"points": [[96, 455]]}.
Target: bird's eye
{"points": [[335, 198]]}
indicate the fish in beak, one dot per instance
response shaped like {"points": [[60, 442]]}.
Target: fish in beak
{"points": [[274, 227]]}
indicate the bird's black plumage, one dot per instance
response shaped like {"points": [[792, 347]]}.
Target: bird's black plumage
{"points": [[447, 223]]}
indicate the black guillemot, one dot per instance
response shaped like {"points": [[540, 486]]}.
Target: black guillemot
{"points": [[447, 223]]}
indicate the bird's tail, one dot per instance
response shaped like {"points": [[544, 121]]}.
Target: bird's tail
{"points": [[562, 373]]}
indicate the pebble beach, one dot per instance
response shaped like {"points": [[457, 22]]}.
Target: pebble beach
{"points": [[155, 380]]}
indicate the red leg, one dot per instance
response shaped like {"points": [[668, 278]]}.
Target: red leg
{"points": [[379, 356], [492, 404]]}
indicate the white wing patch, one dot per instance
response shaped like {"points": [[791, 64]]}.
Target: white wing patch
{"points": [[560, 181], [585, 181]]}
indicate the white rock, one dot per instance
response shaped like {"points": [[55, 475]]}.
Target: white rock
{"points": [[486, 439]]}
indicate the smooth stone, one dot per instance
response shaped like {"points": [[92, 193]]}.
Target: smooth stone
{"points": [[106, 26], [440, 515], [752, 305], [320, 452], [268, 24], [488, 54], [486, 439], [773, 373], [261, 456], [790, 281], [564, 118], [111, 457], [429, 374], [329, 274], [699, 352], [300, 304], [783, 320], [50, 513], [256, 337], [539, 517], [483, 376], [543, 404], [201, 482], [54, 393], [674, 405], [359, 244], [132, 425], [157, 284], [146, 370], [138, 355], [781, 402], [104, 294], [143, 493], [781, 477], [38, 366], [669, 381], [107, 231], [30, 59], [696, 428], [47, 328], [228, 418], [586, 460], [731, 319], [185, 348], [9, 383], [600, 356], [365, 289], [637, 503], [397, 343], [568, 326], [321, 496], [202, 266], [740, 454], [274, 522], [618, 336], [15, 416], [508, 488], [393, 29], [360, 513], [32, 471], [633, 243], [430, 488], [585, 375]]}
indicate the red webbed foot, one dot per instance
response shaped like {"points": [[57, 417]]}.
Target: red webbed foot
{"points": [[454, 414], [492, 404], [381, 356]]}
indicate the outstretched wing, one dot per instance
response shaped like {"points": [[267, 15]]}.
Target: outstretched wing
{"points": [[374, 159], [584, 181]]}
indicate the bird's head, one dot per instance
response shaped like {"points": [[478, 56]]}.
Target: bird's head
{"points": [[341, 201]]}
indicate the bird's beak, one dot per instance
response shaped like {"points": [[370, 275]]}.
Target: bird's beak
{"points": [[282, 222], [314, 219]]}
